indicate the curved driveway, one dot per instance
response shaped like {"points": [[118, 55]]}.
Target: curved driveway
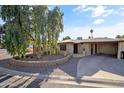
{"points": [[101, 66]]}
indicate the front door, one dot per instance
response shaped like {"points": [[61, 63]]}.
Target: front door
{"points": [[75, 48]]}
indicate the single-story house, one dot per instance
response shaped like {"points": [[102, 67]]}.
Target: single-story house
{"points": [[87, 47]]}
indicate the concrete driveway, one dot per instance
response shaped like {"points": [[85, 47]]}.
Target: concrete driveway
{"points": [[101, 66]]}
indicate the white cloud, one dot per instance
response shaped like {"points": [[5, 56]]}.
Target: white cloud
{"points": [[122, 8], [120, 23], [88, 9], [79, 8], [96, 11], [120, 11], [101, 11], [98, 21]]}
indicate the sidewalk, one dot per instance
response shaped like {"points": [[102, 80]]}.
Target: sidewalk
{"points": [[67, 80]]}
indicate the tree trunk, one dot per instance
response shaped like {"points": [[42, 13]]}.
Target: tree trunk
{"points": [[34, 50], [37, 52]]}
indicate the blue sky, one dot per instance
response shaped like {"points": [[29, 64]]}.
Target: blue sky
{"points": [[106, 21]]}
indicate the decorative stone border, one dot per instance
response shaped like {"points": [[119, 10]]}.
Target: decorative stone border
{"points": [[39, 63]]}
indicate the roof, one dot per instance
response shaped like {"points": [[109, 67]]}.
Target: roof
{"points": [[92, 40]]}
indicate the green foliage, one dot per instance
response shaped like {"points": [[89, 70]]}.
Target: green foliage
{"points": [[79, 38], [15, 28], [55, 27], [36, 25], [47, 25], [39, 25], [66, 38], [120, 36]]}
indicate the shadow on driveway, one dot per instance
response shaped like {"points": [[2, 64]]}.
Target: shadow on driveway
{"points": [[90, 65]]}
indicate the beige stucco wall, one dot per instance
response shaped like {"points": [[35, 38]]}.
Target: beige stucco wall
{"points": [[120, 48], [69, 48], [107, 48], [85, 46], [80, 48]]}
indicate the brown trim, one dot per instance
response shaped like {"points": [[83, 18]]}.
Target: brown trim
{"points": [[99, 42], [121, 41], [65, 42]]}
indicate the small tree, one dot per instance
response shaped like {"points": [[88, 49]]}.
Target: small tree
{"points": [[79, 38], [120, 36], [66, 38]]}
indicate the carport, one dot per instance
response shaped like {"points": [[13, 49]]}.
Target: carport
{"points": [[105, 46], [109, 48]]}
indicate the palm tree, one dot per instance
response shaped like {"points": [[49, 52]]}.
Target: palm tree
{"points": [[91, 31]]}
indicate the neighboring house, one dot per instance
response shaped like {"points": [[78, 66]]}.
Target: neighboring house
{"points": [[87, 47]]}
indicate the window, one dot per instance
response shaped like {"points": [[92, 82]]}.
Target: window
{"points": [[63, 47]]}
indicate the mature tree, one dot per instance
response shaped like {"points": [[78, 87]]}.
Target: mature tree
{"points": [[47, 25], [79, 38], [66, 38], [55, 27], [36, 25], [16, 25], [39, 26]]}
